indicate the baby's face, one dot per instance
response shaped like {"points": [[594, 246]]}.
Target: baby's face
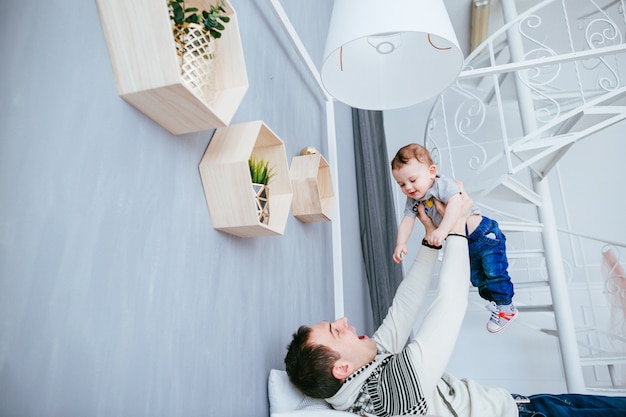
{"points": [[415, 178]]}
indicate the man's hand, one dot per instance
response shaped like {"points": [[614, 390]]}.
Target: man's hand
{"points": [[436, 237], [467, 201], [465, 211], [460, 208], [423, 217]]}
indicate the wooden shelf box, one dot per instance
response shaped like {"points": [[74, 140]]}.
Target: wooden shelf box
{"points": [[227, 184], [141, 46], [312, 188]]}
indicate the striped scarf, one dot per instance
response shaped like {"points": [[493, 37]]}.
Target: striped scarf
{"points": [[392, 389]]}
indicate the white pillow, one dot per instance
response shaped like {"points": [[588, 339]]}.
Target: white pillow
{"points": [[287, 401], [284, 396]]}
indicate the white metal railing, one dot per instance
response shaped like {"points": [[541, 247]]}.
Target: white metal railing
{"points": [[553, 74], [573, 52]]}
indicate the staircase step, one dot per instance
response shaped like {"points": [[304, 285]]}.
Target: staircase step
{"points": [[588, 118], [542, 149], [525, 254], [553, 332], [520, 226], [542, 154], [603, 358], [531, 284], [509, 189], [535, 308], [608, 388], [568, 125]]}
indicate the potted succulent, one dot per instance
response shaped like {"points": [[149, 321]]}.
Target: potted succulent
{"points": [[261, 173], [194, 34]]}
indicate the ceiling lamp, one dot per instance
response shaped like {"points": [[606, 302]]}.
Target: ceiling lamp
{"points": [[389, 54]]}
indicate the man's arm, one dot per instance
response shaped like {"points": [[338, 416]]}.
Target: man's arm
{"points": [[409, 299], [395, 329], [435, 340]]}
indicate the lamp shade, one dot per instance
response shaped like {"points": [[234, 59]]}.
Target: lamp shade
{"points": [[389, 54]]}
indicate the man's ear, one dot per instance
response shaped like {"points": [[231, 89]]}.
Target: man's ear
{"points": [[341, 370]]}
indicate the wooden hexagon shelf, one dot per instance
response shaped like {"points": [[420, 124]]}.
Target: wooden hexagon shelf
{"points": [[227, 184], [147, 73], [312, 188]]}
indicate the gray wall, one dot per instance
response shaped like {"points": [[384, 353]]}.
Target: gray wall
{"points": [[117, 297]]}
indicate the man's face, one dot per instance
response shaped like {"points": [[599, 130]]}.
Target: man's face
{"points": [[339, 336], [415, 178]]}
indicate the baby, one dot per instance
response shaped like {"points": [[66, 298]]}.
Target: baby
{"points": [[415, 173]]}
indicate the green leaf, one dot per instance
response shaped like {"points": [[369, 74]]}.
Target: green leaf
{"points": [[260, 170], [177, 13], [210, 20]]}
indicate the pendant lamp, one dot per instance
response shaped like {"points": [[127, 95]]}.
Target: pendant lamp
{"points": [[389, 54]]}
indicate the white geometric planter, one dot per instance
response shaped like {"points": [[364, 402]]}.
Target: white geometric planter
{"points": [[312, 188], [142, 50], [227, 183]]}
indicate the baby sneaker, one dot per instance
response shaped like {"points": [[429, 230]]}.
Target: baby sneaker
{"points": [[501, 316]]}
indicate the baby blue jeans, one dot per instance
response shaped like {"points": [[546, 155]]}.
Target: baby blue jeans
{"points": [[489, 263]]}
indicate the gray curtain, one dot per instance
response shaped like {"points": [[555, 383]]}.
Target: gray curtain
{"points": [[377, 216]]}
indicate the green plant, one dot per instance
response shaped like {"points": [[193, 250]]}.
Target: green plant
{"points": [[211, 21], [260, 170]]}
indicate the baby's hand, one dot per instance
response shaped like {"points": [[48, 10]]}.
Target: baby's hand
{"points": [[398, 252], [436, 237]]}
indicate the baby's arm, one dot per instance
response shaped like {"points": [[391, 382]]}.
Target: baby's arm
{"points": [[404, 231], [453, 210]]}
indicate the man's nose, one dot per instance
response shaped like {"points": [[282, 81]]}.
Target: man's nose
{"points": [[342, 322]]}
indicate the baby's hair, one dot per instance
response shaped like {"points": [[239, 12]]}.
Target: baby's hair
{"points": [[412, 150]]}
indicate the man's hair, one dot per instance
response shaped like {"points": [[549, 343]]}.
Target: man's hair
{"points": [[408, 152], [309, 366]]}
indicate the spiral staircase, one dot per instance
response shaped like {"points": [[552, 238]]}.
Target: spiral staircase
{"points": [[552, 75]]}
